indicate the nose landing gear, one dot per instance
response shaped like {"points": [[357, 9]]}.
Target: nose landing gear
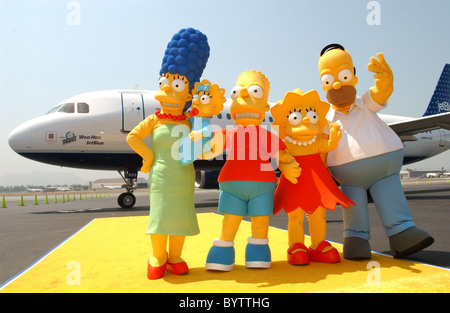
{"points": [[127, 199]]}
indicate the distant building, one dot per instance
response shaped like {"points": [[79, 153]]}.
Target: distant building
{"points": [[116, 183], [409, 173]]}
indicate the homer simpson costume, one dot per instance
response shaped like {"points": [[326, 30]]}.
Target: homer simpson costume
{"points": [[369, 156], [247, 181], [172, 212]]}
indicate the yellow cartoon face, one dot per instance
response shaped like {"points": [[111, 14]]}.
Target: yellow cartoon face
{"points": [[300, 117], [249, 98], [338, 77], [208, 99], [173, 93]]}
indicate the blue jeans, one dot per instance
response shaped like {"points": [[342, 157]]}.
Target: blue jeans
{"points": [[379, 175]]}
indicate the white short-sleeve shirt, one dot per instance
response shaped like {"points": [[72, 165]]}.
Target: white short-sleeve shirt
{"points": [[364, 134]]}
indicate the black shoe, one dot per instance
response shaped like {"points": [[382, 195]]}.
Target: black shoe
{"points": [[356, 248], [409, 241]]}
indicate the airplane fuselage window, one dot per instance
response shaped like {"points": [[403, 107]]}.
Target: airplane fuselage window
{"points": [[82, 107], [67, 108]]}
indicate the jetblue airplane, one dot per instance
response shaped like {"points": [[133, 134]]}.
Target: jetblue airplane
{"points": [[88, 131]]}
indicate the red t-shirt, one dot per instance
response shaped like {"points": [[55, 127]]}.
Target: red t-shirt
{"points": [[250, 150]]}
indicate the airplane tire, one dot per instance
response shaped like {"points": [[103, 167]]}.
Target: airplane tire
{"points": [[126, 200]]}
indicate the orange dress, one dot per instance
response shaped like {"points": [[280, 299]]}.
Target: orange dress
{"points": [[315, 187]]}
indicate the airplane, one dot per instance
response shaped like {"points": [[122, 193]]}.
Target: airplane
{"points": [[34, 190], [88, 131], [111, 187]]}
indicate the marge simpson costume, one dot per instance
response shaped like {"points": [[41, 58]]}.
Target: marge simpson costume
{"points": [[172, 212], [301, 120], [369, 156]]}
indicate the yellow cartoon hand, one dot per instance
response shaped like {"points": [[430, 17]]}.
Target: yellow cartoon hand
{"points": [[335, 135], [147, 162], [384, 79], [285, 157], [195, 135], [291, 170], [217, 145], [335, 132]]}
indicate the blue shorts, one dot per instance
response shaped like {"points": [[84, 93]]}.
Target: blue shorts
{"points": [[246, 198]]}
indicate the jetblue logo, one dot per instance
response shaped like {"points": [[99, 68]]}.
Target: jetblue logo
{"points": [[70, 137], [444, 106]]}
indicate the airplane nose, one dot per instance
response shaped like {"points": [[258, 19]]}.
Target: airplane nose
{"points": [[20, 139]]}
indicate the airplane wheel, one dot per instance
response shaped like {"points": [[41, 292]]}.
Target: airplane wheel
{"points": [[126, 200]]}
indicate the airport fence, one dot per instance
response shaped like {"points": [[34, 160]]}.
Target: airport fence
{"points": [[48, 198], [15, 199]]}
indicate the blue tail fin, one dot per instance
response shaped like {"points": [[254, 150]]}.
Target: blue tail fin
{"points": [[440, 101]]}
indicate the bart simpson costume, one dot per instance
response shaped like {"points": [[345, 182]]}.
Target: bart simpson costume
{"points": [[172, 213], [369, 156], [301, 120], [247, 181]]}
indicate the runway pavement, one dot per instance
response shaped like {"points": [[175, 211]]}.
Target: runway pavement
{"points": [[31, 230]]}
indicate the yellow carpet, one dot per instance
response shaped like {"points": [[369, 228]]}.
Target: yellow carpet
{"points": [[110, 255]]}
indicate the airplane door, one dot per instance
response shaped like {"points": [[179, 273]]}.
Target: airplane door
{"points": [[132, 110]]}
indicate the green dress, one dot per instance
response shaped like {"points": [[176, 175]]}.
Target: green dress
{"points": [[172, 209]]}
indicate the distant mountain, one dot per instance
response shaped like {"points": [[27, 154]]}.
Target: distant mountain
{"points": [[40, 178]]}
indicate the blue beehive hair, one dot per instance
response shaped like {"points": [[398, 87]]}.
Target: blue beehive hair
{"points": [[186, 54]]}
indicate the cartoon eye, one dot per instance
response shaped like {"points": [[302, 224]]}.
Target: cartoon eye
{"points": [[195, 96], [345, 76], [327, 80], [163, 81], [205, 99], [295, 118], [255, 91], [313, 118], [178, 85], [235, 92]]}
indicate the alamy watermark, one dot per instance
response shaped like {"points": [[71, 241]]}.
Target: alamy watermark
{"points": [[374, 276], [74, 16], [249, 143], [374, 16], [73, 278]]}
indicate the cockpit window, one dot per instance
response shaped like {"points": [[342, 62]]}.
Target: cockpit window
{"points": [[82, 107], [56, 108], [67, 108]]}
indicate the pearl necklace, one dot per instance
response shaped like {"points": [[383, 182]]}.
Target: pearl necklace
{"points": [[301, 143]]}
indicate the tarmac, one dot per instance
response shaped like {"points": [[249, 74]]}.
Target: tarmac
{"points": [[31, 225]]}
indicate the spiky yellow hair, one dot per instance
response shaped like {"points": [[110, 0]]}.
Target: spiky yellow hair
{"points": [[292, 100]]}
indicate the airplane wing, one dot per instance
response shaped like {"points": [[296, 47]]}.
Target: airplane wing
{"points": [[422, 124]]}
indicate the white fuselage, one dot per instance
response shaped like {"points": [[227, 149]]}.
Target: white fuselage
{"points": [[89, 131]]}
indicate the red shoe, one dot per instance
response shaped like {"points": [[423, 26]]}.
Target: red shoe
{"points": [[179, 268], [156, 272], [300, 257], [331, 256]]}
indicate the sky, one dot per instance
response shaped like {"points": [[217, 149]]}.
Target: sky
{"points": [[51, 50]]}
